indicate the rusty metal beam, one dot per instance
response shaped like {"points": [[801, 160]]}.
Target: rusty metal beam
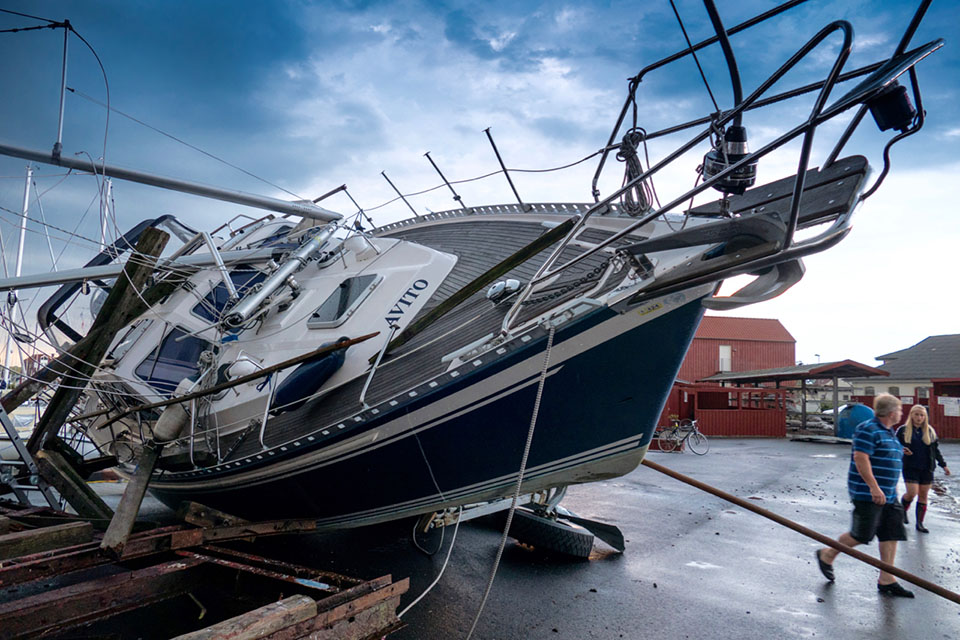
{"points": [[307, 582], [341, 581]]}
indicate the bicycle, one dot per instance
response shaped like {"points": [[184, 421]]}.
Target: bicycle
{"points": [[686, 431]]}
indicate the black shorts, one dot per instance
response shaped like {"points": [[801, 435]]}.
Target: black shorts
{"points": [[883, 521], [919, 476]]}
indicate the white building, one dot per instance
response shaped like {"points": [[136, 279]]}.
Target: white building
{"points": [[912, 369]]}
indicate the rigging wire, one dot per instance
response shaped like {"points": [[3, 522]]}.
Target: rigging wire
{"points": [[106, 126], [27, 15], [38, 175], [43, 219], [693, 52], [53, 24], [183, 142]]}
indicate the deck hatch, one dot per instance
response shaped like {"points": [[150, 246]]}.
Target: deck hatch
{"points": [[344, 300]]}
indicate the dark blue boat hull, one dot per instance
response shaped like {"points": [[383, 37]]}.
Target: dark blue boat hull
{"points": [[599, 405]]}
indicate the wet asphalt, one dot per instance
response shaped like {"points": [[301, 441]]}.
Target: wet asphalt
{"points": [[695, 566]]}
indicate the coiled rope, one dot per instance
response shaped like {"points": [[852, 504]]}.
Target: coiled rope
{"points": [[639, 198]]}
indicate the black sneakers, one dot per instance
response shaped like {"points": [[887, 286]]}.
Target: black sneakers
{"points": [[922, 529], [894, 589], [825, 569]]}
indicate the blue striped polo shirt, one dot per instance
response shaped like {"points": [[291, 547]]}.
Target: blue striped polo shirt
{"points": [[886, 459]]}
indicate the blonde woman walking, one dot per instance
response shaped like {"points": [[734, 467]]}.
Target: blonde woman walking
{"points": [[921, 455]]}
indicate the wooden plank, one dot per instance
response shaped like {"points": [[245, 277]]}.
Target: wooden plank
{"points": [[22, 543], [362, 612], [78, 494], [778, 194], [372, 623], [121, 525], [50, 563], [340, 581], [47, 564], [310, 582], [67, 607], [203, 516], [259, 529], [259, 622]]}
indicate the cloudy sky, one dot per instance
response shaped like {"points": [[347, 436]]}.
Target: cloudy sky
{"points": [[307, 96]]}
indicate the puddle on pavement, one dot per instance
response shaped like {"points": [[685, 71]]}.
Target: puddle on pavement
{"points": [[947, 500]]}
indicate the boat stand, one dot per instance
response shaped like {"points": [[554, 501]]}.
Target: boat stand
{"points": [[539, 521], [56, 582]]}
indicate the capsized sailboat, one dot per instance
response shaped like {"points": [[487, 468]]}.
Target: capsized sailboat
{"points": [[308, 366]]}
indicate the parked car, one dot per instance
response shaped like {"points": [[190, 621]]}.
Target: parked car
{"points": [[829, 415]]}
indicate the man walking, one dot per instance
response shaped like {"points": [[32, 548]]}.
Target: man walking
{"points": [[872, 481]]}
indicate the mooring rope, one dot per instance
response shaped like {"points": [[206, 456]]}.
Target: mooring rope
{"points": [[810, 533], [523, 468], [443, 568]]}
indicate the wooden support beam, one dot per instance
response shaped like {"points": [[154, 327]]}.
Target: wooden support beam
{"points": [[23, 543], [365, 611], [259, 622], [207, 517], [836, 405], [60, 609], [84, 467], [44, 565], [61, 476], [109, 321], [121, 525]]}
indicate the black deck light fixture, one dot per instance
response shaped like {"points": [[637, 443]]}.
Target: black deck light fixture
{"points": [[892, 109], [731, 148]]}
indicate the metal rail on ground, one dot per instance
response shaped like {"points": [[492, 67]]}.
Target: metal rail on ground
{"points": [[810, 533]]}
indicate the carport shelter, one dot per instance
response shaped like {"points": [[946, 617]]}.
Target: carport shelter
{"points": [[802, 372]]}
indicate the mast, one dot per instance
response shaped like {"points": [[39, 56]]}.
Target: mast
{"points": [[302, 208], [12, 294], [105, 213]]}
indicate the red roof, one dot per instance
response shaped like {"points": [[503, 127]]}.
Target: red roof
{"points": [[756, 329]]}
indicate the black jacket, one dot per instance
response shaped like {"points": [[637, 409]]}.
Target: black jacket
{"points": [[919, 448]]}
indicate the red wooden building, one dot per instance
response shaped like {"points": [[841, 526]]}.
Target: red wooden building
{"points": [[726, 344], [945, 408]]}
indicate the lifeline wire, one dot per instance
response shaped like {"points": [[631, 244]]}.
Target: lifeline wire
{"points": [[523, 468]]}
